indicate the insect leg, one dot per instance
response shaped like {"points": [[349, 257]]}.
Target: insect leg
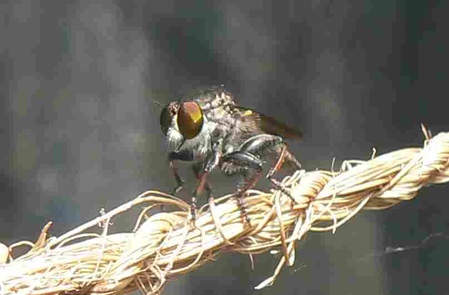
{"points": [[178, 156], [263, 143], [198, 170], [253, 168], [276, 168], [211, 161]]}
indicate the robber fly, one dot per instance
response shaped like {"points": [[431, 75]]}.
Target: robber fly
{"points": [[211, 131]]}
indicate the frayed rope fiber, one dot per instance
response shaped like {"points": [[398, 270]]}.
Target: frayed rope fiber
{"points": [[165, 245]]}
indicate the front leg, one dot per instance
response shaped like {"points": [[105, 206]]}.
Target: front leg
{"points": [[210, 163], [182, 155]]}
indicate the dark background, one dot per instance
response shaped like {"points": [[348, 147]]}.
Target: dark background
{"points": [[79, 130]]}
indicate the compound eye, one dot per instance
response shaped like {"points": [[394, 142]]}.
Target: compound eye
{"points": [[190, 119], [166, 117]]}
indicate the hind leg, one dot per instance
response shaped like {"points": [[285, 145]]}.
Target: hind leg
{"points": [[252, 166], [264, 143]]}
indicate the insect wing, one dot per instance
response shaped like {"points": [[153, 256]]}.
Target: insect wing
{"points": [[270, 125]]}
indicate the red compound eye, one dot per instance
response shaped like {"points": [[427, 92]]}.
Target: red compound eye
{"points": [[190, 119]]}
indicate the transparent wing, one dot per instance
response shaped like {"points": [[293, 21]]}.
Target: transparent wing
{"points": [[268, 124]]}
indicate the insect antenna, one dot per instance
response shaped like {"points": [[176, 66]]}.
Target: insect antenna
{"points": [[158, 103]]}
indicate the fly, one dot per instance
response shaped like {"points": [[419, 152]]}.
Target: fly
{"points": [[212, 131]]}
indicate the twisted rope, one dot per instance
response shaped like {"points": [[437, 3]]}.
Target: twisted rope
{"points": [[166, 245]]}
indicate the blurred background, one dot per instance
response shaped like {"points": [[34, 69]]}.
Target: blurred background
{"points": [[79, 130]]}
